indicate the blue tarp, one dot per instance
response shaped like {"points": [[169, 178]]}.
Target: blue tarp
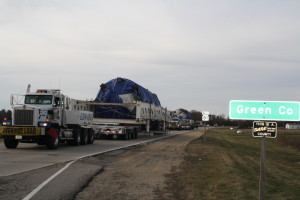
{"points": [[121, 90], [181, 114]]}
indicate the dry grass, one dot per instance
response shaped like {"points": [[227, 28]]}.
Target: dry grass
{"points": [[227, 166]]}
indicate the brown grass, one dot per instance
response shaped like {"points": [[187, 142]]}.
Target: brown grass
{"points": [[227, 166]]}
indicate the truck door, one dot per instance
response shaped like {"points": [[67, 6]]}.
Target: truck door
{"points": [[57, 110]]}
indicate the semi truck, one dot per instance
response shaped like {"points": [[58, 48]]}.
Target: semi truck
{"points": [[47, 117]]}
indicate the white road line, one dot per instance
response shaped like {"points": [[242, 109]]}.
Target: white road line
{"points": [[36, 190]]}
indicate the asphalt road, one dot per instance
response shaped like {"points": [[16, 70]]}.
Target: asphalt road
{"points": [[34, 172]]}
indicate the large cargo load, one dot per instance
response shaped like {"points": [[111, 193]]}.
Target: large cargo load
{"points": [[130, 107], [121, 90]]}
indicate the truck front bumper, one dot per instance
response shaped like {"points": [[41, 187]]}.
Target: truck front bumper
{"points": [[22, 131]]}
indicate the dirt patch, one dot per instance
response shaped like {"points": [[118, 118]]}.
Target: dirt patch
{"points": [[139, 173]]}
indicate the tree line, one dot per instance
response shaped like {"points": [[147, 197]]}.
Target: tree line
{"points": [[219, 120]]}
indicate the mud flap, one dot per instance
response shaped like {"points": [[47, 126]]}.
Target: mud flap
{"points": [[52, 132]]}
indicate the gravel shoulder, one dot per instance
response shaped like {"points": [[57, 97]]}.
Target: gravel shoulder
{"points": [[139, 173]]}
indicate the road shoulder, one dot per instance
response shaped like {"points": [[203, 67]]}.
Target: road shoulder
{"points": [[140, 172]]}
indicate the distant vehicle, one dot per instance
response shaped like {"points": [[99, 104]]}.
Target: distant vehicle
{"points": [[187, 126], [174, 125]]}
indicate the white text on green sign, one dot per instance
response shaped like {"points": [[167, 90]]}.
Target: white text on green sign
{"points": [[264, 110]]}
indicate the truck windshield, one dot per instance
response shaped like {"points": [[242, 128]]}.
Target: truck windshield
{"points": [[38, 99]]}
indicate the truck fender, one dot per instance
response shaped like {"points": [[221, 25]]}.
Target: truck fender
{"points": [[52, 132]]}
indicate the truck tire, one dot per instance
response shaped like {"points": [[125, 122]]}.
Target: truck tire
{"points": [[52, 143], [77, 137], [91, 137], [127, 136], [84, 136], [10, 142]]}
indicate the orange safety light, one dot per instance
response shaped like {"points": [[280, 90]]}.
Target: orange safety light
{"points": [[47, 120], [5, 118]]}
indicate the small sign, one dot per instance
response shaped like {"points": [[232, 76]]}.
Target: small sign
{"points": [[205, 113], [267, 129], [205, 118]]}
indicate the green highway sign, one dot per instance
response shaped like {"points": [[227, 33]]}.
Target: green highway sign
{"points": [[265, 110]]}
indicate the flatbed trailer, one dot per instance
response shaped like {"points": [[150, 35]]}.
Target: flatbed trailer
{"points": [[126, 129]]}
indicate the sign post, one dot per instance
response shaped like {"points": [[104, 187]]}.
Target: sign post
{"points": [[264, 110], [262, 169], [205, 118], [265, 130]]}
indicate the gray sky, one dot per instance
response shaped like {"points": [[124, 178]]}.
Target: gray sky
{"points": [[194, 54]]}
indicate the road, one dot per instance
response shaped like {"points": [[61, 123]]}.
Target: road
{"points": [[65, 171]]}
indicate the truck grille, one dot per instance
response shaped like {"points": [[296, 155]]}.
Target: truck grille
{"points": [[23, 117]]}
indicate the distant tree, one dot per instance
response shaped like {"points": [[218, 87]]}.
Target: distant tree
{"points": [[220, 120], [196, 115]]}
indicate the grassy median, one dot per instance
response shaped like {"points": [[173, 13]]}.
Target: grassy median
{"points": [[227, 166]]}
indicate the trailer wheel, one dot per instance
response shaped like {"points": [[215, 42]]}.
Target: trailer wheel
{"points": [[51, 143], [84, 136], [77, 138], [128, 136], [91, 137], [10, 142]]}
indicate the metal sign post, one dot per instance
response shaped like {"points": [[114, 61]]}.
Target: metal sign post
{"points": [[204, 132], [264, 130], [262, 169], [205, 118]]}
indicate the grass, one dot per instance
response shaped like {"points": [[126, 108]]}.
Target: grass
{"points": [[227, 166]]}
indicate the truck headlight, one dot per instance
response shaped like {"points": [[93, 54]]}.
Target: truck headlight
{"points": [[44, 124], [6, 123]]}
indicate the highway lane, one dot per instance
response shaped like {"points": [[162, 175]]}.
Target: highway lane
{"points": [[32, 156], [30, 171]]}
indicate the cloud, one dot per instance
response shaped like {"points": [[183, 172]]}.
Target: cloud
{"points": [[192, 54]]}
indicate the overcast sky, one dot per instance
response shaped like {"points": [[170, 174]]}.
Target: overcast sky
{"points": [[194, 54]]}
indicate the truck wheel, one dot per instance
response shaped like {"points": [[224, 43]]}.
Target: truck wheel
{"points": [[91, 137], [127, 136], [10, 142], [77, 138], [84, 136], [51, 143]]}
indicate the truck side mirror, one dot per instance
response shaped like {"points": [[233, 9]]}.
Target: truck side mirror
{"points": [[11, 100], [67, 103]]}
